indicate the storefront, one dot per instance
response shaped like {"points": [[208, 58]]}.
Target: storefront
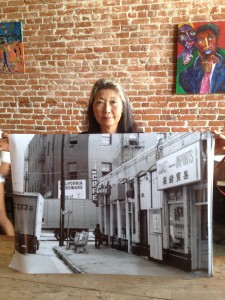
{"points": [[182, 178], [158, 203]]}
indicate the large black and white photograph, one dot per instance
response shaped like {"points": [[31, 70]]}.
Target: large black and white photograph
{"points": [[134, 204]]}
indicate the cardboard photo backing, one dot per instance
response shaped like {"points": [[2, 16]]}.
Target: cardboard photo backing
{"points": [[151, 194]]}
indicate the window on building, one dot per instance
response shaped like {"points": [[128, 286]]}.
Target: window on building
{"points": [[73, 140], [106, 139], [176, 219], [133, 139], [72, 170], [106, 168]]}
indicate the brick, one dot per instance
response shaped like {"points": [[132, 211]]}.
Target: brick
{"points": [[69, 44]]}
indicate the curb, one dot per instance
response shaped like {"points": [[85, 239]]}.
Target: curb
{"points": [[67, 261]]}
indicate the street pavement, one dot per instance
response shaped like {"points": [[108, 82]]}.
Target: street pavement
{"points": [[43, 261], [107, 260]]}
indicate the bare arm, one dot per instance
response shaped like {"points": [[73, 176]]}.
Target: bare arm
{"points": [[4, 169], [4, 142], [4, 147]]}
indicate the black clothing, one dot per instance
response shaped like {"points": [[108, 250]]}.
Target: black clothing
{"points": [[97, 233]]}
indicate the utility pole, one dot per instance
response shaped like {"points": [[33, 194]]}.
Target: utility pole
{"points": [[62, 206]]}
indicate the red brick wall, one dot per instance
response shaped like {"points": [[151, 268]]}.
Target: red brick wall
{"points": [[71, 43]]}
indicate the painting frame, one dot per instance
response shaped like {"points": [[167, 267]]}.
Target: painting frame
{"points": [[200, 58], [11, 48]]}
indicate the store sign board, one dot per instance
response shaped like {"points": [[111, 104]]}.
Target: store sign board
{"points": [[94, 181], [74, 189], [181, 167]]}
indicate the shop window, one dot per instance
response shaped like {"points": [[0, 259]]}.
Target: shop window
{"points": [[176, 220]]}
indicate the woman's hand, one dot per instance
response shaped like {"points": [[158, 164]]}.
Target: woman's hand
{"points": [[4, 142]]}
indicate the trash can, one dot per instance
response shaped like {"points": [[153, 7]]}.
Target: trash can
{"points": [[28, 211]]}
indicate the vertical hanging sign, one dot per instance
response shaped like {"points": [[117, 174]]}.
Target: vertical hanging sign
{"points": [[94, 181]]}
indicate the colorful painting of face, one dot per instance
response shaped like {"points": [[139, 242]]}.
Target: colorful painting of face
{"points": [[201, 58], [187, 38], [11, 48]]}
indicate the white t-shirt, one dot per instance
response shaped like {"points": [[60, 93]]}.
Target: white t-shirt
{"points": [[4, 157]]}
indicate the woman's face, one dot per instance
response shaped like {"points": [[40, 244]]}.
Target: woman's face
{"points": [[108, 108]]}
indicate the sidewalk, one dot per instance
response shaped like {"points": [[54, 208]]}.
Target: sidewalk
{"points": [[107, 260]]}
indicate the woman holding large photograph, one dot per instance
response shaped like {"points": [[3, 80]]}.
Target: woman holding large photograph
{"points": [[5, 223]]}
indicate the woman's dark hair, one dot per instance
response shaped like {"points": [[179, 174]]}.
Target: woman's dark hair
{"points": [[126, 123]]}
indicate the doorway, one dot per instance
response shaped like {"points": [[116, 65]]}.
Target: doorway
{"points": [[200, 229], [155, 230]]}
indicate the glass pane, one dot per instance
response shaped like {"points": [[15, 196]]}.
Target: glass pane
{"points": [[176, 214]]}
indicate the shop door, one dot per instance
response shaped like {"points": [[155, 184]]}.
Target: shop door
{"points": [[202, 236], [155, 229], [143, 228]]}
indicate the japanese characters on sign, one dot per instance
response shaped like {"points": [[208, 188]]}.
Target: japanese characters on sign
{"points": [[179, 168]]}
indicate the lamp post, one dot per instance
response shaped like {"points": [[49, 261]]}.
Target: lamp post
{"points": [[68, 213]]}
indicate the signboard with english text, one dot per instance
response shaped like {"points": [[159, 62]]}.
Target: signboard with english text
{"points": [[74, 189], [179, 168]]}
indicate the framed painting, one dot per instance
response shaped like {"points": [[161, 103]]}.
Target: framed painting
{"points": [[201, 58], [11, 48]]}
